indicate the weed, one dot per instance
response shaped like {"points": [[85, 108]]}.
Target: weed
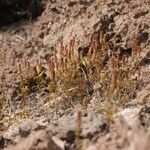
{"points": [[72, 74]]}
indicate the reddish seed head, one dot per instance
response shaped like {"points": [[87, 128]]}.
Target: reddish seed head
{"points": [[65, 51], [62, 63], [69, 53], [91, 49], [20, 69], [61, 43], [79, 116], [91, 39], [113, 63], [79, 57], [73, 40], [65, 63], [50, 65], [53, 62], [94, 49], [136, 48], [22, 79], [25, 63], [101, 37], [70, 44], [28, 64], [61, 50], [114, 67]]}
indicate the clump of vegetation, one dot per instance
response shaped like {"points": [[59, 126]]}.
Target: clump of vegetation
{"points": [[72, 73]]}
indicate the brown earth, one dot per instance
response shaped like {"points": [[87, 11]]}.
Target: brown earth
{"points": [[34, 29]]}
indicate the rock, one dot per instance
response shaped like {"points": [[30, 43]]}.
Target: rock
{"points": [[61, 129], [140, 13], [2, 142], [99, 125], [66, 131], [143, 37], [27, 127], [21, 129], [144, 116], [70, 136], [38, 140], [59, 142], [129, 115], [119, 20], [5, 142]]}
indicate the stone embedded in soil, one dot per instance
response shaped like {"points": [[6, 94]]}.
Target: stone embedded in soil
{"points": [[37, 140], [5, 142], [129, 115], [92, 124], [20, 130], [2, 142], [144, 116]]}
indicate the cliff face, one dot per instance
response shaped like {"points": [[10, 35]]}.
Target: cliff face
{"points": [[30, 33]]}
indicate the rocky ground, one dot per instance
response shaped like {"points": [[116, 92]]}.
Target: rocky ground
{"points": [[41, 120]]}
